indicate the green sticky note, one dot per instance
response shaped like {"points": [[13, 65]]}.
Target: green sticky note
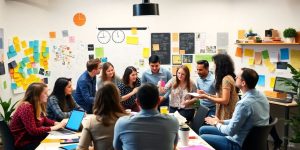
{"points": [[35, 70], [265, 54], [203, 57], [99, 51], [4, 85], [29, 71]]}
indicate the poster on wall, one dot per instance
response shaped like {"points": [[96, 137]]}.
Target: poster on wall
{"points": [[187, 42], [161, 46]]}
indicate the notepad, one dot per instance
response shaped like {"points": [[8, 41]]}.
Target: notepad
{"points": [[69, 147]]}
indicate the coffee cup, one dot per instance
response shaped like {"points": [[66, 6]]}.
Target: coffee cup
{"points": [[184, 131]]}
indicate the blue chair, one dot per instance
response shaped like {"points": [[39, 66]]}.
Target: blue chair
{"points": [[7, 138]]}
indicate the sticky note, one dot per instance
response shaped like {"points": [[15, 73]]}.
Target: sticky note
{"points": [[257, 58], [16, 40], [261, 80], [295, 59], [17, 47], [241, 34], [132, 40], [251, 61], [239, 52], [133, 31], [24, 44], [44, 44], [272, 82], [72, 39], [181, 52], [52, 35], [284, 54], [146, 52], [13, 86], [203, 57], [99, 52], [155, 47], [281, 65], [265, 54], [65, 33], [175, 50], [175, 37], [248, 52]]}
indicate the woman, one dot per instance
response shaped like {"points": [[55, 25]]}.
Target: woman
{"points": [[29, 124], [128, 89], [108, 74], [60, 102], [227, 94], [180, 86], [99, 127]]}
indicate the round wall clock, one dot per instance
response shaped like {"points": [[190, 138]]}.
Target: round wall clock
{"points": [[103, 36], [118, 36], [79, 19]]}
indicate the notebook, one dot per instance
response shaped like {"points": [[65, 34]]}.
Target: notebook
{"points": [[73, 124], [69, 147]]}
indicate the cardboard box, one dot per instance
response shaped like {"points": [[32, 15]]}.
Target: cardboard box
{"points": [[275, 94]]}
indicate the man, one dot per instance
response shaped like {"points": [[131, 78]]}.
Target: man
{"points": [[251, 110], [205, 82], [86, 85], [156, 74], [148, 129]]}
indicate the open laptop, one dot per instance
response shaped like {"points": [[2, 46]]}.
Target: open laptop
{"points": [[73, 124], [281, 86]]}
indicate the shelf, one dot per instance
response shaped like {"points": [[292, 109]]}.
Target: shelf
{"points": [[268, 43]]}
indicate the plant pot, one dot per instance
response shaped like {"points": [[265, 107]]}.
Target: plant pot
{"points": [[290, 40]]}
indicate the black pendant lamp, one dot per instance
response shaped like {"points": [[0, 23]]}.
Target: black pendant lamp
{"points": [[145, 8]]}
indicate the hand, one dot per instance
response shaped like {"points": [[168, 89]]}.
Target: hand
{"points": [[161, 90], [201, 92], [161, 99], [212, 120], [135, 90], [59, 125]]}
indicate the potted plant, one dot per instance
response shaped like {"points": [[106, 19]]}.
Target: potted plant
{"points": [[290, 34], [294, 122], [7, 108]]}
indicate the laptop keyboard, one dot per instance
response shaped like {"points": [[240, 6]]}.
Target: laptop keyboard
{"points": [[65, 131]]}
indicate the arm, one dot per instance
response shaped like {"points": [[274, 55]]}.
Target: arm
{"points": [[54, 106], [191, 100], [48, 122], [85, 92], [85, 138]]}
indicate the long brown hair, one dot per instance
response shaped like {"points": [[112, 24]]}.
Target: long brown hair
{"points": [[104, 68], [187, 77], [32, 96], [107, 104]]}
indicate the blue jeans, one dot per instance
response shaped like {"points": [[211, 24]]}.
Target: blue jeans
{"points": [[217, 139], [211, 111]]}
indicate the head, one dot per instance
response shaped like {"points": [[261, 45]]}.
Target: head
{"points": [[154, 63], [183, 76], [108, 71], [107, 103], [94, 66], [130, 75], [224, 66], [62, 90], [202, 68], [246, 79], [148, 96], [37, 94]]}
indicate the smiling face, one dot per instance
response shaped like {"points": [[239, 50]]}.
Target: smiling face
{"points": [[133, 76], [44, 95], [154, 67], [68, 88], [181, 75], [110, 72]]}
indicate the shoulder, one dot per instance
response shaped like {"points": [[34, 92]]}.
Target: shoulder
{"points": [[25, 107], [123, 121], [52, 98], [228, 79]]}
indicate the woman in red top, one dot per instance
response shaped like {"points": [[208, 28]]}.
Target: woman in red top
{"points": [[29, 124]]}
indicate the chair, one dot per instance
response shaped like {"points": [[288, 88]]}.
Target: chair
{"points": [[199, 117], [258, 136], [7, 138]]}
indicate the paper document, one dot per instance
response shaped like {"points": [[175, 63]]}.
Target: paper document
{"points": [[194, 94]]}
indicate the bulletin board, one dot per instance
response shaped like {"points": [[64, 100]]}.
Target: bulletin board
{"points": [[161, 46]]}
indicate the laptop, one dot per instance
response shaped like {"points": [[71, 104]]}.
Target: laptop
{"points": [[73, 124]]}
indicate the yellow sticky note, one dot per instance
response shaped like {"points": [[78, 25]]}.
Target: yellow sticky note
{"points": [[189, 66], [176, 50], [24, 44], [31, 59], [44, 44], [132, 40], [175, 37], [133, 31], [272, 82], [16, 40], [295, 58], [155, 47], [271, 68], [146, 52], [181, 51], [28, 65], [249, 52], [17, 47], [251, 61], [241, 34]]}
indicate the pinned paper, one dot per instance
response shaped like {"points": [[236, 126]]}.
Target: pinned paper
{"points": [[257, 58], [24, 44], [251, 61], [295, 59], [273, 56], [182, 52], [272, 82], [248, 52], [239, 52], [176, 60], [65, 33], [4, 85], [284, 54], [203, 57], [155, 47], [133, 31], [99, 52], [52, 35], [72, 39], [146, 52], [241, 34], [175, 37], [189, 66], [265, 54], [261, 80], [175, 50], [132, 40]]}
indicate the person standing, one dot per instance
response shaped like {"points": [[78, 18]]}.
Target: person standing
{"points": [[206, 82], [157, 76], [86, 85]]}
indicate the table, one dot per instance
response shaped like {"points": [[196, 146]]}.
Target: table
{"points": [[286, 117], [52, 142]]}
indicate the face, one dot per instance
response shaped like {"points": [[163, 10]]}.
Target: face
{"points": [[133, 76], [98, 69], [181, 74], [110, 72], [68, 88], [202, 72], [239, 82], [44, 95], [155, 67]]}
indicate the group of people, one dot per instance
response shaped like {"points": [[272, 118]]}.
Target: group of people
{"points": [[111, 127]]}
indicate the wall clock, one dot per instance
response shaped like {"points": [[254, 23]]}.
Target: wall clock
{"points": [[118, 36], [79, 19], [103, 36]]}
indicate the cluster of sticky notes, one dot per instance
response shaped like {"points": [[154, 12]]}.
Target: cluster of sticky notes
{"points": [[34, 61]]}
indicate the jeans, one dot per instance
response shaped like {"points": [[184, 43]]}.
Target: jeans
{"points": [[211, 111], [217, 139]]}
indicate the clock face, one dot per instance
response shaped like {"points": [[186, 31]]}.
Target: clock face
{"points": [[118, 36], [103, 37], [79, 19]]}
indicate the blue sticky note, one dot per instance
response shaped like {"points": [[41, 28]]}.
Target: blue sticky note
{"points": [[284, 54], [104, 59], [261, 80], [47, 50], [20, 70], [36, 43], [36, 57], [11, 54], [25, 59], [11, 49], [45, 54], [31, 44], [13, 86], [29, 71]]}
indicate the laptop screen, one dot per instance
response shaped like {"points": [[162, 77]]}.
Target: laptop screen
{"points": [[75, 119]]}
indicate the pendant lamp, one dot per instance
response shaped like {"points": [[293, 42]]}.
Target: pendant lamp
{"points": [[145, 8]]}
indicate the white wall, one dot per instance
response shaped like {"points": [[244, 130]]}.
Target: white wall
{"points": [[33, 19]]}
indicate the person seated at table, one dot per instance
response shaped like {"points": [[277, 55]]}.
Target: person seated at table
{"points": [[99, 128], [148, 129], [128, 88], [108, 74], [29, 124], [60, 102], [252, 110]]}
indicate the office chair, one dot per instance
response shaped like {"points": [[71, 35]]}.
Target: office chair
{"points": [[199, 118], [258, 136], [7, 138]]}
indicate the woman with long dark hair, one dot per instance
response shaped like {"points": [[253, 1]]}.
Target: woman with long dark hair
{"points": [[227, 93], [60, 102], [128, 89], [108, 74], [99, 128]]}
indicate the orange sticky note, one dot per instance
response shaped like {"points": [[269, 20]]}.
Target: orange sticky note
{"points": [[239, 52], [52, 35], [155, 47], [175, 49], [175, 37], [133, 31], [181, 52]]}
